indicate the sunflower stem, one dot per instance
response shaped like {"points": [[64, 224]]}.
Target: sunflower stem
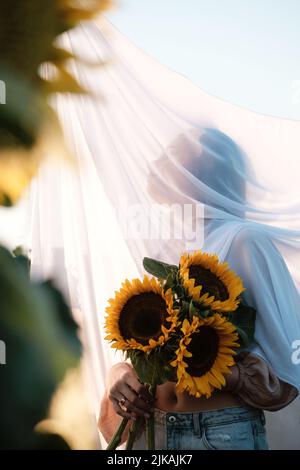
{"points": [[116, 440], [150, 425], [150, 432], [132, 433]]}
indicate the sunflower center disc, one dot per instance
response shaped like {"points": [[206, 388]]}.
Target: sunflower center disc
{"points": [[142, 317], [204, 348], [210, 282]]}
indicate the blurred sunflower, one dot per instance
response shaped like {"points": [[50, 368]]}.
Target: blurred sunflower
{"points": [[210, 282], [205, 354], [28, 33], [28, 40], [141, 316]]}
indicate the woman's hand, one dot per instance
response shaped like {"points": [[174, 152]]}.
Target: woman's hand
{"points": [[129, 397]]}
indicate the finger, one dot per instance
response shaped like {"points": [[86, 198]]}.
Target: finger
{"points": [[134, 416], [145, 395], [130, 401], [125, 414], [120, 411], [139, 388], [129, 409], [138, 396], [137, 411], [116, 395], [134, 400]]}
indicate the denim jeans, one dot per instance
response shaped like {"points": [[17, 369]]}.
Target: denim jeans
{"points": [[238, 428]]}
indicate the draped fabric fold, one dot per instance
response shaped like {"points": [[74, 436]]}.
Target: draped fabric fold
{"points": [[163, 167]]}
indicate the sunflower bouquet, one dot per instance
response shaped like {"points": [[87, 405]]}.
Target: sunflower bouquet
{"points": [[184, 324]]}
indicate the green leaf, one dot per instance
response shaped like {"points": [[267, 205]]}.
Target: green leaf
{"points": [[180, 292], [193, 310], [41, 345], [244, 319], [169, 281], [205, 313], [153, 368], [184, 307], [159, 269]]}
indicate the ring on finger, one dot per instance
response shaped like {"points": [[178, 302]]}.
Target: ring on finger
{"points": [[122, 404]]}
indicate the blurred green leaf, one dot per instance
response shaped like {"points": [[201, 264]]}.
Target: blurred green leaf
{"points": [[22, 259], [21, 115], [41, 344]]}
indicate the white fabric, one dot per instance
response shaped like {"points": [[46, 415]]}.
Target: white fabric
{"points": [[150, 141]]}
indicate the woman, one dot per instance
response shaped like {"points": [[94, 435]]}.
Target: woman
{"points": [[210, 168]]}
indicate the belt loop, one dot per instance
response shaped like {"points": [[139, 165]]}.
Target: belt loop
{"points": [[262, 418], [196, 419]]}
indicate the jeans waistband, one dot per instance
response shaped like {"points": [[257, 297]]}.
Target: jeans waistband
{"points": [[208, 418]]}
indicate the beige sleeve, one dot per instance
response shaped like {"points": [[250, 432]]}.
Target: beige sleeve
{"points": [[258, 386]]}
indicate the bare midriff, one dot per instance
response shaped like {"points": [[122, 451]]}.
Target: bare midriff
{"points": [[167, 399]]}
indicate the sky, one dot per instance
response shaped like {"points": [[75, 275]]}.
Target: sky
{"points": [[244, 51]]}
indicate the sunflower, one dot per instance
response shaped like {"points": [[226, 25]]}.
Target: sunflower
{"points": [[204, 354], [29, 32], [141, 316], [210, 282]]}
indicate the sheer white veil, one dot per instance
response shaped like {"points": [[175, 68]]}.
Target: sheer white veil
{"points": [[163, 167]]}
